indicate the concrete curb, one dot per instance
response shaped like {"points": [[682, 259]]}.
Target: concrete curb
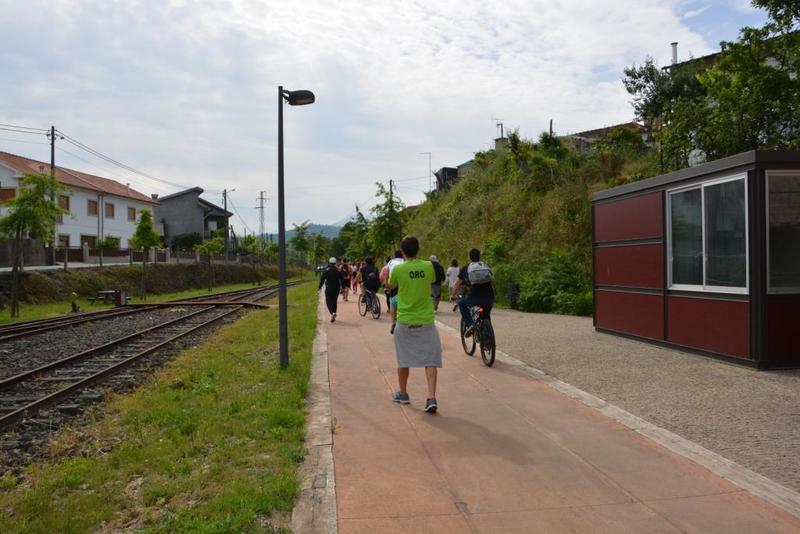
{"points": [[315, 509], [758, 485]]}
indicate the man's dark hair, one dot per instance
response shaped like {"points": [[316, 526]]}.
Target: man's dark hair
{"points": [[369, 260], [474, 255], [454, 263], [410, 246], [398, 253]]}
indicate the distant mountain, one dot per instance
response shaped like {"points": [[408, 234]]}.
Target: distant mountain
{"points": [[328, 230]]}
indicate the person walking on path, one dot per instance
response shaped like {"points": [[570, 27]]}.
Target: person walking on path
{"points": [[436, 285], [332, 280], [345, 271], [354, 276], [452, 274], [392, 292], [416, 340], [478, 276]]}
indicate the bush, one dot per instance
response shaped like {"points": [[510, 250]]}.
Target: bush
{"points": [[560, 284]]}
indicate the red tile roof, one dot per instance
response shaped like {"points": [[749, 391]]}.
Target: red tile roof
{"points": [[73, 178]]}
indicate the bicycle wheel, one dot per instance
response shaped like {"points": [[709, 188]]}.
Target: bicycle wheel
{"points": [[362, 305], [376, 308], [487, 343], [467, 342]]}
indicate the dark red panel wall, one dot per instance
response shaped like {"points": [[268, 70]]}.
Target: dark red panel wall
{"points": [[638, 314], [783, 334], [637, 217], [720, 326], [632, 266]]}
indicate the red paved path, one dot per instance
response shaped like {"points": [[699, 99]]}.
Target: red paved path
{"points": [[505, 453]]}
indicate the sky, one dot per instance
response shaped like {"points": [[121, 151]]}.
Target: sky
{"points": [[186, 91]]}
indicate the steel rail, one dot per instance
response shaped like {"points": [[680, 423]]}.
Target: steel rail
{"points": [[43, 325], [19, 414]]}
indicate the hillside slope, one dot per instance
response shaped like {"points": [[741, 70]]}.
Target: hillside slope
{"points": [[527, 207]]}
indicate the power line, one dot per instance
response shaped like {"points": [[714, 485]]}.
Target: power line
{"points": [[28, 129], [230, 200], [124, 166], [23, 141]]}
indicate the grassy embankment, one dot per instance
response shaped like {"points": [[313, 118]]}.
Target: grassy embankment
{"points": [[212, 445], [527, 207]]}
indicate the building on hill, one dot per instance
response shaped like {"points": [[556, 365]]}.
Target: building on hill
{"points": [[186, 213], [583, 140], [96, 207]]}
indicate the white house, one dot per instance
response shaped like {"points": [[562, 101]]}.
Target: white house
{"points": [[97, 207]]}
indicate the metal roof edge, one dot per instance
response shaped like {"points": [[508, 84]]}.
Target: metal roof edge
{"points": [[750, 157]]}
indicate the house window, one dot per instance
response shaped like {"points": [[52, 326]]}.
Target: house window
{"points": [[708, 236], [109, 210], [63, 240], [89, 240], [7, 193], [783, 242], [113, 242], [131, 214], [91, 208], [63, 202]]}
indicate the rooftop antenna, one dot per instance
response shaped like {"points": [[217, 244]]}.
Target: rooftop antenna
{"points": [[499, 125]]}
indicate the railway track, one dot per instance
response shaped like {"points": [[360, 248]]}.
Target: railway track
{"points": [[59, 382], [28, 328]]}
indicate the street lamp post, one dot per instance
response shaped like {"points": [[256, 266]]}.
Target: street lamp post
{"points": [[294, 98]]}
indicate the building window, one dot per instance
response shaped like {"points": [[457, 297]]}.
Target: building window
{"points": [[113, 242], [63, 240], [131, 214], [783, 244], [708, 236], [91, 208], [63, 202], [7, 193], [109, 210], [89, 240]]}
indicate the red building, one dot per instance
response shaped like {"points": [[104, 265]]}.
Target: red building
{"points": [[705, 259]]}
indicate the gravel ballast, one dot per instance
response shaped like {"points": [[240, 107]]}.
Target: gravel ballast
{"points": [[745, 415]]}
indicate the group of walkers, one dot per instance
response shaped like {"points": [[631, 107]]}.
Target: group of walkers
{"points": [[413, 289]]}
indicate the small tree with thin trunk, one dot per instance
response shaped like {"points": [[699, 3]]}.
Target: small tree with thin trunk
{"points": [[210, 247], [30, 214], [144, 238]]}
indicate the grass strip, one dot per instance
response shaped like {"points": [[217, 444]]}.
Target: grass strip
{"points": [[211, 445]]}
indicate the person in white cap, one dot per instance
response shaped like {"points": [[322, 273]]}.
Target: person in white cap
{"points": [[332, 280], [436, 285]]}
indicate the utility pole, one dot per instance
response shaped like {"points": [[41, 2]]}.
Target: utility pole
{"points": [[260, 208], [225, 208], [551, 127], [52, 195]]}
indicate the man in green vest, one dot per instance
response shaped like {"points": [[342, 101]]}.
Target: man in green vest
{"points": [[416, 340]]}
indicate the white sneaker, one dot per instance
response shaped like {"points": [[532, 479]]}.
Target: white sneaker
{"points": [[333, 317]]}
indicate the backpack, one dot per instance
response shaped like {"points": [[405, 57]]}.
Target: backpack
{"points": [[479, 273]]}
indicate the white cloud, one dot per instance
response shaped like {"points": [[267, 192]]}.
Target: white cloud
{"points": [[187, 90]]}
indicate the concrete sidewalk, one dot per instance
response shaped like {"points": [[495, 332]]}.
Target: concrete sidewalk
{"points": [[505, 453]]}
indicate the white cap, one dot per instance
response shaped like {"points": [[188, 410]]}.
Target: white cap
{"points": [[434, 258], [332, 260]]}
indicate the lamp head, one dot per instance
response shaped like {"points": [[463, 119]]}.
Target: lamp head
{"points": [[301, 97]]}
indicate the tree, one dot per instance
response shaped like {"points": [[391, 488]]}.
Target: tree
{"points": [[299, 241], [144, 238], [107, 243], [386, 228], [253, 247], [209, 247], [319, 247], [186, 241], [30, 214]]}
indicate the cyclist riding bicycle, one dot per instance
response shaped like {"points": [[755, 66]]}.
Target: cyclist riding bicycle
{"points": [[368, 276], [478, 277]]}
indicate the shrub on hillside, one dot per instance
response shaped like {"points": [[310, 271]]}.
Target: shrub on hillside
{"points": [[559, 284]]}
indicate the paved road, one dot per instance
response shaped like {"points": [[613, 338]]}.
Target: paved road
{"points": [[505, 453], [750, 417]]}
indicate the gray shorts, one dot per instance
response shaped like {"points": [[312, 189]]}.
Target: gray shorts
{"points": [[417, 345], [436, 291]]}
